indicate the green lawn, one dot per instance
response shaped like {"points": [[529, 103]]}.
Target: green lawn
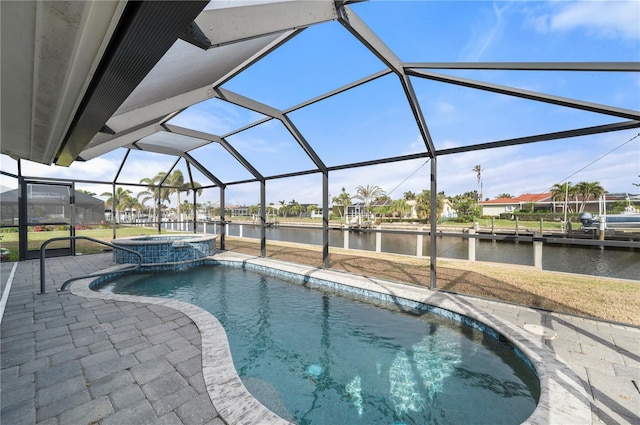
{"points": [[36, 239], [511, 224]]}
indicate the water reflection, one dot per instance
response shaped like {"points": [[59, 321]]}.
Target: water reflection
{"points": [[609, 262]]}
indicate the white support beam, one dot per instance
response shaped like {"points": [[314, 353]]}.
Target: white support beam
{"points": [[362, 32], [370, 39], [531, 95], [229, 25], [417, 114], [156, 110], [245, 102], [531, 66], [121, 140], [303, 143], [213, 138]]}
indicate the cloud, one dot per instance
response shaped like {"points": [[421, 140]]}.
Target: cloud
{"points": [[97, 169], [446, 108], [485, 34], [215, 116], [601, 19]]}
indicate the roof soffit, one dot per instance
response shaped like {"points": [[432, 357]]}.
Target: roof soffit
{"points": [[49, 53]]}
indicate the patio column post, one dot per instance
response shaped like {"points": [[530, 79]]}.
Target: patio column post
{"points": [[345, 235], [537, 250], [263, 218], [195, 211], [325, 219], [223, 226], [472, 245], [433, 222], [113, 209]]}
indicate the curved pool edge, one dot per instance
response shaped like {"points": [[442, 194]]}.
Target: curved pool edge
{"points": [[562, 396]]}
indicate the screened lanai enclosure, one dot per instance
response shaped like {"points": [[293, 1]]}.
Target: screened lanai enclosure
{"points": [[248, 102]]}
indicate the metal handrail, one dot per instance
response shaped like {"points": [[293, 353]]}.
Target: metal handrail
{"points": [[66, 283]]}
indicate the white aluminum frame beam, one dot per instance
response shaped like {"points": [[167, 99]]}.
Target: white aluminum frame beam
{"points": [[527, 94], [272, 112], [217, 139], [233, 24], [123, 139], [530, 66], [159, 111], [371, 41]]}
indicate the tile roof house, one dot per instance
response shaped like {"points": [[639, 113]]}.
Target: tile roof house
{"points": [[545, 201], [495, 207]]}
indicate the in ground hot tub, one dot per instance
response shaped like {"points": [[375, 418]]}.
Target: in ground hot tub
{"points": [[164, 249]]}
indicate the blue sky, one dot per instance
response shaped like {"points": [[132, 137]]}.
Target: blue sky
{"points": [[374, 121]]}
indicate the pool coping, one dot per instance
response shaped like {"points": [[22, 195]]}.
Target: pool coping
{"points": [[562, 397]]}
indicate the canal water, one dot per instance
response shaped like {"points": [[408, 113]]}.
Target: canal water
{"points": [[621, 263]]}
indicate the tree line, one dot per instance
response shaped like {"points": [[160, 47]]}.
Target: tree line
{"points": [[576, 196], [174, 183], [376, 202]]}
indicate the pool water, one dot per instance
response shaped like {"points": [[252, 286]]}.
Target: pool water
{"points": [[315, 356]]}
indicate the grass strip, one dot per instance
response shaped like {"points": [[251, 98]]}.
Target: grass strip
{"points": [[616, 300]]}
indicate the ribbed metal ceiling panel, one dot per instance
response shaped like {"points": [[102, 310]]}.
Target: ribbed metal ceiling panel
{"points": [[145, 33]]}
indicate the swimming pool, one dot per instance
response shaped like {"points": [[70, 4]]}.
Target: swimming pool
{"points": [[317, 356]]}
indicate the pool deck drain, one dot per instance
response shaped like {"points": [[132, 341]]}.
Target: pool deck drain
{"points": [[68, 358], [541, 331]]}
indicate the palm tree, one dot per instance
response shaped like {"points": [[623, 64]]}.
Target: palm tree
{"points": [[295, 208], [139, 206], [399, 208], [283, 208], [504, 195], [478, 170], [176, 179], [116, 203], [368, 194], [560, 192], [408, 196], [588, 189], [146, 196], [423, 205], [342, 202], [157, 193], [128, 203], [311, 208]]}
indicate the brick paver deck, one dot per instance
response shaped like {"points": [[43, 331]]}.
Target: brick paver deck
{"points": [[71, 360]]}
